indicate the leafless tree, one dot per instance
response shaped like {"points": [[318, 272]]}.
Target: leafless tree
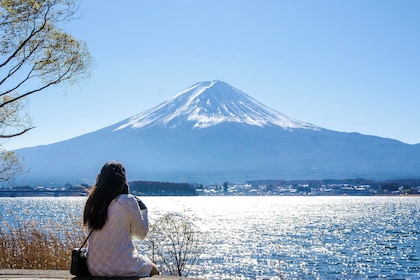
{"points": [[176, 244]]}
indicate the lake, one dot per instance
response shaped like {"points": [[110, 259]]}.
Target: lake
{"points": [[279, 237]]}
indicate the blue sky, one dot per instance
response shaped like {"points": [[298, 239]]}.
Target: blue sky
{"points": [[350, 66]]}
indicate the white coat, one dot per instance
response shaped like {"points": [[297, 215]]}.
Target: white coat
{"points": [[111, 252]]}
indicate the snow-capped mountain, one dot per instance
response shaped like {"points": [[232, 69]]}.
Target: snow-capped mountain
{"points": [[207, 104], [212, 132]]}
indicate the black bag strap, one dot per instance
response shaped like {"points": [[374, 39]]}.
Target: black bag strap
{"points": [[84, 242], [91, 231]]}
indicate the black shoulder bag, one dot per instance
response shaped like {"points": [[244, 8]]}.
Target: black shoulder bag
{"points": [[78, 266]]}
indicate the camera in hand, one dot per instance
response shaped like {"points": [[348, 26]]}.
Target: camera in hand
{"points": [[141, 204]]}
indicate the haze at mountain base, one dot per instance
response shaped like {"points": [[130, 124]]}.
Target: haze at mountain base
{"points": [[213, 132]]}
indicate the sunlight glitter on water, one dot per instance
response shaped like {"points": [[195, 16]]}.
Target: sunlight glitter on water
{"points": [[285, 237], [307, 237]]}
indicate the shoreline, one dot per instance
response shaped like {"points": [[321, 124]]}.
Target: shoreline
{"points": [[20, 194], [33, 274]]}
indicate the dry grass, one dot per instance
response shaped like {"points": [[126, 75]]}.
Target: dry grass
{"points": [[31, 245], [47, 244]]}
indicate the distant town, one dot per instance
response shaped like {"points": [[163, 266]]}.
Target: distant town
{"points": [[350, 187]]}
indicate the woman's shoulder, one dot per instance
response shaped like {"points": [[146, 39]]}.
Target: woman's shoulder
{"points": [[123, 198], [128, 203]]}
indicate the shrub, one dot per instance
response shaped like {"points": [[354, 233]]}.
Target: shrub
{"points": [[27, 244], [175, 244]]}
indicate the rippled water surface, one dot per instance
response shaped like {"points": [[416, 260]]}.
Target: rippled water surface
{"points": [[280, 237]]}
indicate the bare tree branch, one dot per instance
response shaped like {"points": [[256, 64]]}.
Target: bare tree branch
{"points": [[16, 134], [35, 54], [32, 34]]}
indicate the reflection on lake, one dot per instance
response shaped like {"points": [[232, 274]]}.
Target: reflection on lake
{"points": [[279, 237]]}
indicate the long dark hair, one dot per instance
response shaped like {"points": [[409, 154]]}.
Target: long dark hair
{"points": [[110, 183]]}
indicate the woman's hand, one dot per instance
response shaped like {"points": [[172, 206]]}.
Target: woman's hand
{"points": [[141, 204]]}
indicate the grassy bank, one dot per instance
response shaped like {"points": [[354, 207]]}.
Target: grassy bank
{"points": [[173, 243], [26, 244]]}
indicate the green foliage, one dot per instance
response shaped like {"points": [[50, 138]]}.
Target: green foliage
{"points": [[10, 166], [35, 54], [151, 188]]}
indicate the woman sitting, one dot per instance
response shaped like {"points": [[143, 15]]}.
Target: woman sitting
{"points": [[115, 217]]}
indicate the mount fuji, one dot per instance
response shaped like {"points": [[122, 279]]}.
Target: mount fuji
{"points": [[212, 132]]}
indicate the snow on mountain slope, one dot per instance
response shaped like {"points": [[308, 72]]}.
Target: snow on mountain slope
{"points": [[212, 132], [208, 104]]}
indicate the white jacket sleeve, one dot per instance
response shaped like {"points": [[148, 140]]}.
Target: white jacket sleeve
{"points": [[138, 220]]}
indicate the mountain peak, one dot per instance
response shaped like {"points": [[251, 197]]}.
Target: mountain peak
{"points": [[210, 103], [219, 133]]}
